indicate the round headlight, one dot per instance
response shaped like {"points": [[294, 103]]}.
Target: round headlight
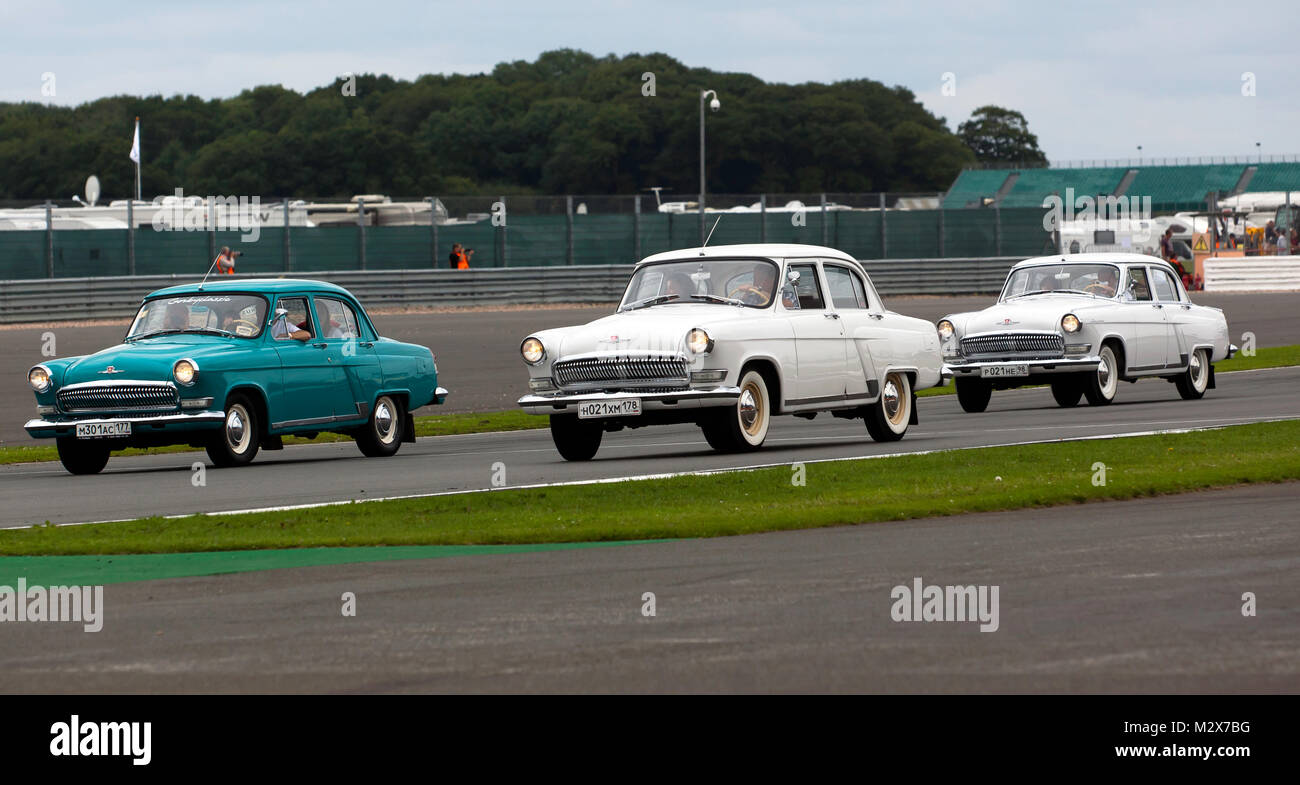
{"points": [[1070, 323], [184, 372], [698, 341], [945, 329], [533, 351], [39, 378]]}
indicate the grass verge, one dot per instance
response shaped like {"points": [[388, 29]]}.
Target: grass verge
{"points": [[847, 492]]}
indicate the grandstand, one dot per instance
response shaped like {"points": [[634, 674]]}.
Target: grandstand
{"points": [[1171, 187]]}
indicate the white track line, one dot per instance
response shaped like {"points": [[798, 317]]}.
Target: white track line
{"points": [[668, 475]]}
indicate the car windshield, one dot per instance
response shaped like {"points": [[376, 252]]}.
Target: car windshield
{"points": [[238, 315], [739, 282], [1100, 280]]}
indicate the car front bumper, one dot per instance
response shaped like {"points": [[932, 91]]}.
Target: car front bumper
{"points": [[140, 426], [974, 368], [568, 403]]}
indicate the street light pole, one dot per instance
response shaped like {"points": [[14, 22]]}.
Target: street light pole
{"points": [[713, 105]]}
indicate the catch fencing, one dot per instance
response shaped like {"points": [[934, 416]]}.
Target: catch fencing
{"points": [[64, 299], [1252, 274]]}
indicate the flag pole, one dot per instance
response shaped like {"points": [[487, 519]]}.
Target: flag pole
{"points": [[135, 156]]}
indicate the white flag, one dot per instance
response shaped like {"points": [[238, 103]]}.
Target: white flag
{"points": [[135, 143]]}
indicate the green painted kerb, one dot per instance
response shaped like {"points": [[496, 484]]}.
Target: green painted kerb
{"points": [[123, 568]]}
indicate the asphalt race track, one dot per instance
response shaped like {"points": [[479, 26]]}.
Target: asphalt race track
{"points": [[478, 351], [1140, 597], [161, 484]]}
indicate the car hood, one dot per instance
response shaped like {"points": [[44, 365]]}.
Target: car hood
{"points": [[659, 329], [1036, 313], [150, 359]]}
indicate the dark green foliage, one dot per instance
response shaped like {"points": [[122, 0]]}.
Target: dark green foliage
{"points": [[569, 122]]}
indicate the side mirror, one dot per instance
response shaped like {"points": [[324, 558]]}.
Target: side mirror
{"points": [[792, 276]]}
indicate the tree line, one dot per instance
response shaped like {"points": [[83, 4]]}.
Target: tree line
{"points": [[569, 122]]}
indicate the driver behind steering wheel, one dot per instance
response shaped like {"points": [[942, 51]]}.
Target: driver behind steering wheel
{"points": [[760, 291], [1107, 283]]}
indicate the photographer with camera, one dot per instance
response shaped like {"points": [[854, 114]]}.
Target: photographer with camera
{"points": [[225, 261], [459, 259]]}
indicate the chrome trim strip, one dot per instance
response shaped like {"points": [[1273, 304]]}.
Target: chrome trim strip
{"points": [[314, 421], [116, 383], [162, 419], [1035, 366]]}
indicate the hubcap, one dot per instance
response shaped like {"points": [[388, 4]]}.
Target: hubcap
{"points": [[750, 407], [1103, 372], [237, 429], [1198, 370], [384, 420], [893, 404]]}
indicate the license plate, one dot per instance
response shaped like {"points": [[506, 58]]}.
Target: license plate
{"points": [[619, 407], [103, 430], [998, 371]]}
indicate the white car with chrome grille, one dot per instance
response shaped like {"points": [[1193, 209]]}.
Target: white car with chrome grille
{"points": [[1082, 323], [726, 338]]}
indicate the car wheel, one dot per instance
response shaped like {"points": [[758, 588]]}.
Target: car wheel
{"points": [[742, 427], [974, 394], [1192, 384], [1101, 385], [577, 440], [1067, 391], [381, 436], [888, 417], [237, 441], [82, 457]]}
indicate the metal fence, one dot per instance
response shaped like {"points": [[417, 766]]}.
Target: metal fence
{"points": [[37, 300], [517, 231]]}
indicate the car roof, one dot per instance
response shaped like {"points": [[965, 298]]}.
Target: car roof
{"points": [[1095, 258], [260, 285], [762, 250]]}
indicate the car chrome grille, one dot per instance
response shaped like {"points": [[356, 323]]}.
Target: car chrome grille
{"points": [[118, 398], [1014, 345], [668, 373]]}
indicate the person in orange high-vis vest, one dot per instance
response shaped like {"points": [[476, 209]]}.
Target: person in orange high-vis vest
{"points": [[225, 261], [460, 257]]}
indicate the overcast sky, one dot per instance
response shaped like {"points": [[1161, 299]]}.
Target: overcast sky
{"points": [[1095, 79]]}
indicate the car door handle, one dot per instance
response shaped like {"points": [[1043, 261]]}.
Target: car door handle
{"points": [[367, 345], [876, 316], [1157, 305], [320, 345], [832, 316]]}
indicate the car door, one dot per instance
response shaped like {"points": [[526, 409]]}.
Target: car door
{"points": [[1145, 347], [311, 380], [1172, 309], [818, 340], [353, 351], [862, 326]]}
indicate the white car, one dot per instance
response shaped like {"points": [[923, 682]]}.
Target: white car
{"points": [[1082, 323], [708, 336]]}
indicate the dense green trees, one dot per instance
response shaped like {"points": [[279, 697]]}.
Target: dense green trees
{"points": [[569, 122], [1001, 135]]}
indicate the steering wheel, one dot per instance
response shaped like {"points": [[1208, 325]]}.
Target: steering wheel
{"points": [[1100, 287], [739, 292], [252, 328]]}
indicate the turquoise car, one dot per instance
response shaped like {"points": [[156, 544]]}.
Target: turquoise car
{"points": [[232, 367]]}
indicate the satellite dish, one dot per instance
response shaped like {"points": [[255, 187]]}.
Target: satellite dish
{"points": [[92, 190]]}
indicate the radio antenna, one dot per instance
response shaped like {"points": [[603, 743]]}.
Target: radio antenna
{"points": [[710, 237]]}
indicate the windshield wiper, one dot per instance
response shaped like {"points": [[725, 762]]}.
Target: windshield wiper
{"points": [[715, 298], [649, 301], [175, 330]]}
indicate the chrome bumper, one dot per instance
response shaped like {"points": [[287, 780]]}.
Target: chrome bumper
{"points": [[47, 429], [440, 395], [960, 370], [567, 403]]}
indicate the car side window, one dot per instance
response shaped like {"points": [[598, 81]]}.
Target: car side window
{"points": [[1137, 276], [846, 288], [807, 287], [1166, 290], [298, 318], [336, 318]]}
